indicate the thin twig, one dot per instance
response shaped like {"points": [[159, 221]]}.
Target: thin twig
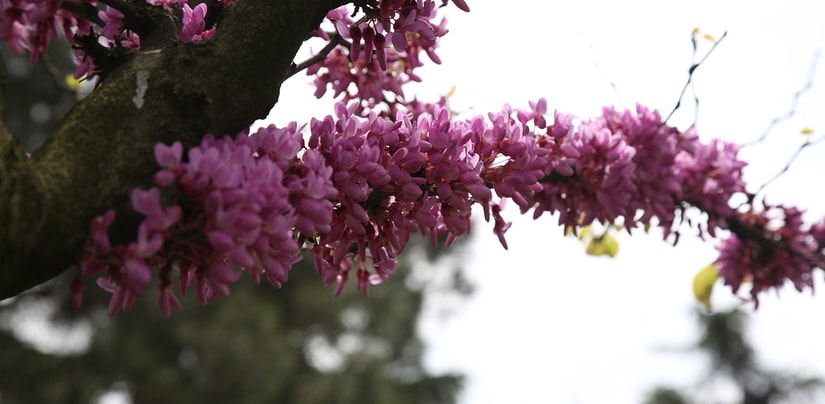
{"points": [[692, 84], [691, 70], [334, 41], [794, 102], [606, 77], [788, 164], [54, 73]]}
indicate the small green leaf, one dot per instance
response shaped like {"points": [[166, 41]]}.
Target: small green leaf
{"points": [[605, 245], [611, 245], [585, 231], [703, 284], [595, 247]]}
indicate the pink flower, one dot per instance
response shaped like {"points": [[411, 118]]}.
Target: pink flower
{"points": [[167, 301], [460, 4], [768, 248], [407, 26], [710, 175], [112, 19], [214, 279], [167, 3], [194, 24], [122, 299]]}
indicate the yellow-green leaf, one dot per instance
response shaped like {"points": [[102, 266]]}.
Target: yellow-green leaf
{"points": [[703, 284], [807, 130], [451, 93], [605, 245], [585, 231], [611, 245], [594, 247]]}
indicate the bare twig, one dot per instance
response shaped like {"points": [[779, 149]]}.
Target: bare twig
{"points": [[796, 154], [606, 77], [334, 41], [691, 70], [692, 84], [794, 102], [54, 73]]}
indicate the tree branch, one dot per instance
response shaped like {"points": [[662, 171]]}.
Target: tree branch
{"points": [[104, 147], [787, 166], [334, 41], [692, 70], [809, 84], [83, 10]]}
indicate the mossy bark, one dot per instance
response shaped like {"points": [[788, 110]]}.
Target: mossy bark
{"points": [[104, 147]]}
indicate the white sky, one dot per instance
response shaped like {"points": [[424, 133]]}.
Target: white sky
{"points": [[549, 324]]}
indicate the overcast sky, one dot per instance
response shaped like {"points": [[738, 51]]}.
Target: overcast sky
{"points": [[549, 324]]}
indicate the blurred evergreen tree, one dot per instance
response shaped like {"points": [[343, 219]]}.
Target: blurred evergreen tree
{"points": [[298, 344], [732, 358]]}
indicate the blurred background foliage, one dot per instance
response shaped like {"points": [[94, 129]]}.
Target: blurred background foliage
{"points": [[733, 365], [298, 344], [37, 97]]}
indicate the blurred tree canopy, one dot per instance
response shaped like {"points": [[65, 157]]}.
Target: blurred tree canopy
{"points": [[294, 345], [733, 360], [41, 94]]}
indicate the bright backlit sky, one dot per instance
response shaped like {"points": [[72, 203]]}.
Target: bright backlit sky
{"points": [[549, 324]]}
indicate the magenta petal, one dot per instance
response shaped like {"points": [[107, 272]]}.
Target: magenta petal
{"points": [[220, 240], [462, 5], [136, 275]]}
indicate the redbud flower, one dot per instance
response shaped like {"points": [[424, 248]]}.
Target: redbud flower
{"points": [[194, 26], [768, 248]]}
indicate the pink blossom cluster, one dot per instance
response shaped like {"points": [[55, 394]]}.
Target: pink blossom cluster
{"points": [[385, 166], [363, 185], [394, 178], [769, 247], [30, 25], [113, 29], [233, 206], [384, 52], [628, 166], [129, 266]]}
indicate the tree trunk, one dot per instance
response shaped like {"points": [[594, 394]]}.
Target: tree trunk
{"points": [[104, 146]]}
